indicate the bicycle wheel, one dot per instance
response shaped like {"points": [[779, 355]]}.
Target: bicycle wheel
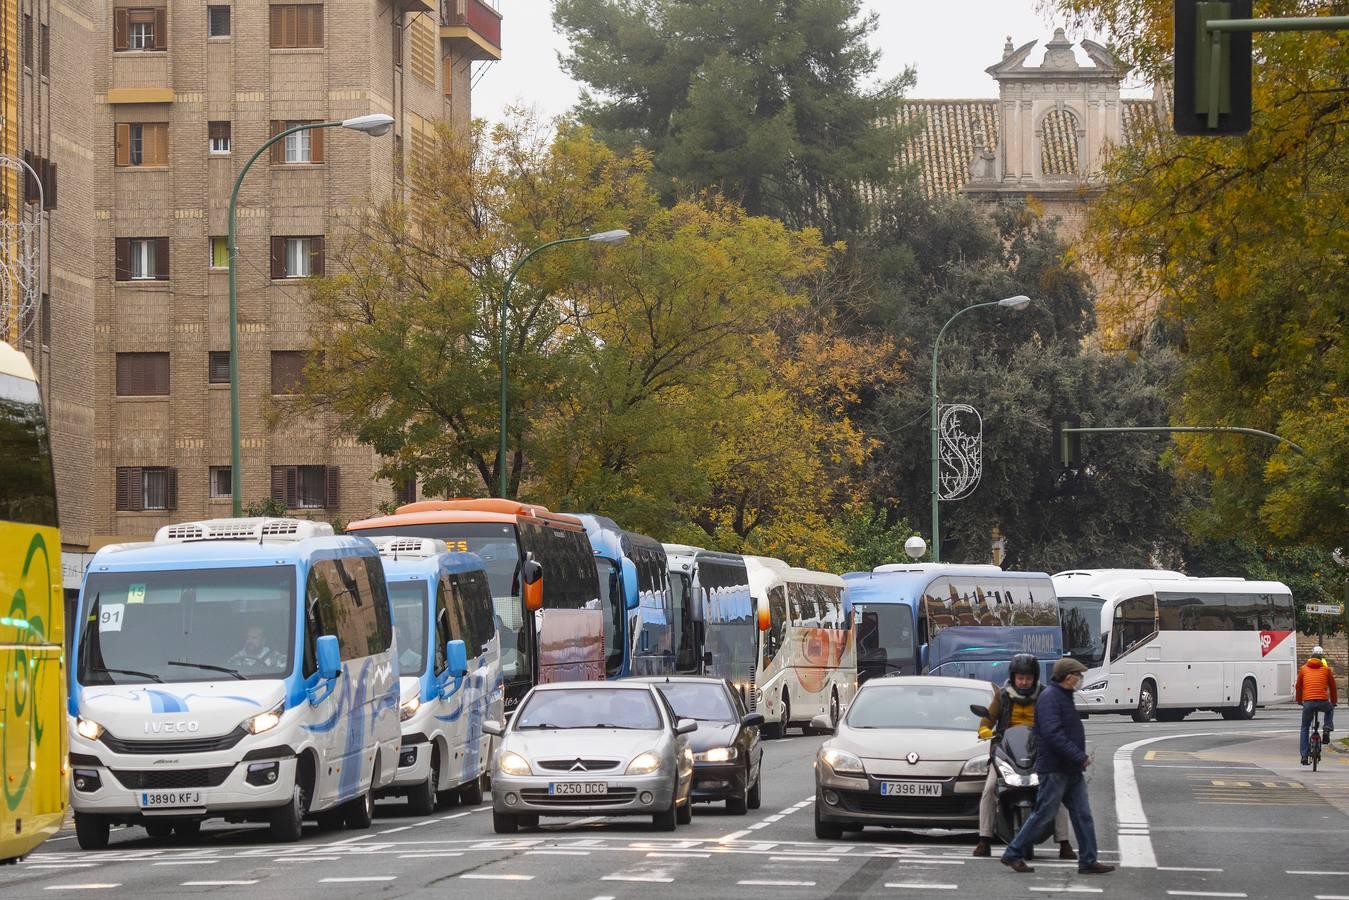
{"points": [[1316, 745]]}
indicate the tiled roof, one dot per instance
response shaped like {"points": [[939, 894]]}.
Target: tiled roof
{"points": [[951, 131]]}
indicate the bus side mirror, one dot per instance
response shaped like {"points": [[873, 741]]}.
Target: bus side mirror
{"points": [[532, 576], [329, 657], [765, 619], [630, 598], [457, 655]]}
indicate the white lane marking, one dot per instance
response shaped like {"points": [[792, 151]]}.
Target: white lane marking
{"points": [[1069, 890], [754, 883], [92, 886], [291, 859], [653, 879], [603, 897], [559, 853], [428, 854], [1332, 897], [356, 878], [734, 835], [921, 886], [483, 876], [1311, 872], [363, 837], [1185, 869], [919, 861], [396, 830], [1237, 768], [1201, 894], [803, 859], [677, 854], [74, 865], [457, 815], [185, 862], [216, 883]]}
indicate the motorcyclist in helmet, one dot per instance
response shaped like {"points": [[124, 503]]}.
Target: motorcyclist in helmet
{"points": [[1014, 704]]}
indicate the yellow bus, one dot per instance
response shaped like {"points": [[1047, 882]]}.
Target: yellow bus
{"points": [[33, 738]]}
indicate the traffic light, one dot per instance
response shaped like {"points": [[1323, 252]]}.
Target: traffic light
{"points": [[1196, 89], [1068, 444]]}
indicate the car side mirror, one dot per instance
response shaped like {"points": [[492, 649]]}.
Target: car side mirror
{"points": [[752, 720], [329, 657], [531, 574], [980, 711], [492, 727], [686, 726], [457, 655], [631, 598], [822, 722]]}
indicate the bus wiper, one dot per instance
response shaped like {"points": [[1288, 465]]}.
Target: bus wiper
{"points": [[227, 671], [150, 675]]}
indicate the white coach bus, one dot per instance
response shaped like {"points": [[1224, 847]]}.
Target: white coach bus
{"points": [[807, 660], [1160, 645]]}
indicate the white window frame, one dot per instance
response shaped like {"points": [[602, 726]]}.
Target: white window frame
{"points": [[141, 259], [213, 487], [299, 148], [140, 36], [218, 145], [322, 474], [161, 476], [299, 257], [136, 144]]}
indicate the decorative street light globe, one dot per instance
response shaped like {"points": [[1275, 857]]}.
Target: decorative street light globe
{"points": [[915, 547]]}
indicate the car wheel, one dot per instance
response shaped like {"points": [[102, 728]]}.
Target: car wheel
{"points": [[685, 813], [359, 813], [160, 831], [739, 804], [504, 823], [422, 797], [755, 797], [471, 793], [665, 821], [834, 710], [825, 831], [331, 819], [91, 831], [286, 823]]}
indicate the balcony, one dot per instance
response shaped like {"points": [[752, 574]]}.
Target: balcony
{"points": [[473, 27]]}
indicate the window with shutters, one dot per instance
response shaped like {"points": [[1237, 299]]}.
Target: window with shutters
{"points": [[218, 135], [43, 187], [142, 144], [405, 491], [142, 374], [296, 25], [150, 487], [218, 367], [301, 148], [142, 259], [221, 482], [144, 28], [305, 487], [220, 253], [297, 256], [287, 371], [422, 44], [217, 21]]}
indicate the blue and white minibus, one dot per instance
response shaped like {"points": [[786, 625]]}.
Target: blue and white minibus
{"points": [[449, 669], [964, 621], [232, 668]]}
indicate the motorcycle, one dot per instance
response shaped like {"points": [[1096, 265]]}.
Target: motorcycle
{"points": [[1013, 759]]}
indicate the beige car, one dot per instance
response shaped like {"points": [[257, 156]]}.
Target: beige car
{"points": [[906, 754]]}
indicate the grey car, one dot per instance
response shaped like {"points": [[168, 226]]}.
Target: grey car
{"points": [[907, 754], [592, 748]]}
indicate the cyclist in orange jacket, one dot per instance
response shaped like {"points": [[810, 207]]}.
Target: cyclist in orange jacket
{"points": [[1317, 692]]}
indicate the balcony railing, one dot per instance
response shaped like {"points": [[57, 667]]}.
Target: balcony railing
{"points": [[476, 21]]}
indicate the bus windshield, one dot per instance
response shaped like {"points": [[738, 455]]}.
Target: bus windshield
{"points": [[187, 625], [885, 639], [615, 612], [409, 623], [498, 546], [1082, 640]]}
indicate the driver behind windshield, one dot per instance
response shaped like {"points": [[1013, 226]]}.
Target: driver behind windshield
{"points": [[1013, 704], [255, 653]]}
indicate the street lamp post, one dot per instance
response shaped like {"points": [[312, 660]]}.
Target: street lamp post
{"points": [[375, 125], [616, 236], [1020, 301]]}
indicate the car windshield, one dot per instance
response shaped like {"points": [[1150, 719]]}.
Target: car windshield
{"points": [[409, 599], [590, 708], [1082, 640], [881, 705], [704, 702], [187, 625]]}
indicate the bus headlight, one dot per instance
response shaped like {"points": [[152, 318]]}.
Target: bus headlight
{"points": [[1097, 686], [409, 709], [265, 721], [643, 764], [717, 755], [509, 763], [88, 729]]}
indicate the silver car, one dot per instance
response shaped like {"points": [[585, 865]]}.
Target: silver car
{"points": [[906, 754], [592, 748]]}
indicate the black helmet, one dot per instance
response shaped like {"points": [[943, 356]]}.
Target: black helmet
{"points": [[1024, 664]]}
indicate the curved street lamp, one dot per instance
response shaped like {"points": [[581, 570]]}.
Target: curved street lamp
{"points": [[375, 125], [1020, 301], [615, 236]]}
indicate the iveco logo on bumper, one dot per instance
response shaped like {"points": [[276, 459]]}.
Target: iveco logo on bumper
{"points": [[171, 727]]}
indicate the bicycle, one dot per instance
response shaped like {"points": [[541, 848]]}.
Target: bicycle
{"points": [[1315, 740]]}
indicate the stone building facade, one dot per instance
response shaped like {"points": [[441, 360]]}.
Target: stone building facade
{"points": [[183, 95]]}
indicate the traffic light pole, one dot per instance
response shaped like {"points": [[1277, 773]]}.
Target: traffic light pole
{"points": [[1170, 429], [1218, 27]]}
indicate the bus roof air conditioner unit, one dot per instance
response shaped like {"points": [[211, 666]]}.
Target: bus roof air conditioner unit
{"points": [[395, 547], [258, 530]]}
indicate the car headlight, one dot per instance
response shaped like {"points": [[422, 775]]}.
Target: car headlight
{"points": [[717, 755], [1097, 686], [88, 728], [644, 764], [843, 762], [409, 708], [976, 767], [265, 721], [509, 763]]}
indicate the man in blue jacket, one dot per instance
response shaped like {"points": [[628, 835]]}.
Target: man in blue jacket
{"points": [[1061, 744]]}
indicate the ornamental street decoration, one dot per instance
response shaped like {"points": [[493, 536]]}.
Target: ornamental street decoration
{"points": [[961, 451]]}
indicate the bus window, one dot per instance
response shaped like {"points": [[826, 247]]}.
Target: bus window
{"points": [[614, 605], [409, 619], [687, 643], [777, 617], [1135, 625]]}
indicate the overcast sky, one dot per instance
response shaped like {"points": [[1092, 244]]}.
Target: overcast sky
{"points": [[949, 42]]}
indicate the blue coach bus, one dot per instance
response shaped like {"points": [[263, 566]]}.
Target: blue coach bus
{"points": [[956, 620]]}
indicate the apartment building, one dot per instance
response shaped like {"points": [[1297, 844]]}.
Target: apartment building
{"points": [[184, 96]]}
